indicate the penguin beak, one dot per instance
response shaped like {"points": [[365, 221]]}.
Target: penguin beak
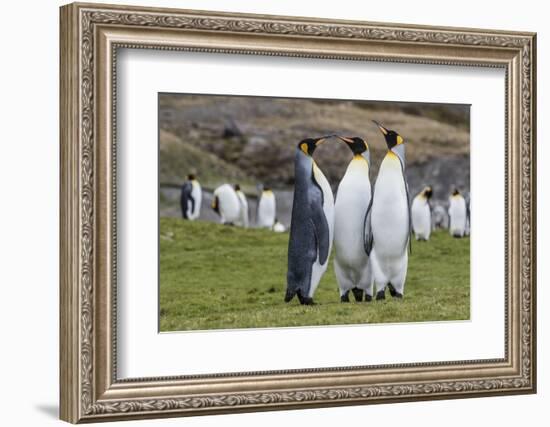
{"points": [[320, 141], [382, 128], [345, 139]]}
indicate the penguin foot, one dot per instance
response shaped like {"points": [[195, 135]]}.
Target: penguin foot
{"points": [[393, 292], [344, 297], [305, 300], [380, 295], [358, 294], [288, 296], [368, 298]]}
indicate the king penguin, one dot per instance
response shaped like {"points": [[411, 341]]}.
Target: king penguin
{"points": [[352, 201], [421, 213], [243, 214], [191, 198], [266, 209], [388, 224], [226, 204], [311, 226], [457, 214], [440, 219]]}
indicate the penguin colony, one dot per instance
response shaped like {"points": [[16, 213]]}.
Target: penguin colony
{"points": [[231, 205], [370, 226]]}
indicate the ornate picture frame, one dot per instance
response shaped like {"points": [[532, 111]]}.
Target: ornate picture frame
{"points": [[90, 37]]}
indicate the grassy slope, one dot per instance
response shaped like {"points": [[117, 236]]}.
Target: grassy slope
{"points": [[179, 159], [198, 122], [219, 277]]}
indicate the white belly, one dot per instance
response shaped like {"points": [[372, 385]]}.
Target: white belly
{"points": [[229, 205], [196, 193], [319, 269], [390, 217], [457, 215], [352, 201], [243, 215], [266, 210], [421, 218]]}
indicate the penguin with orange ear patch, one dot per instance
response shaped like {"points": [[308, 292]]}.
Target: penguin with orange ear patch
{"points": [[311, 226], [388, 225], [351, 263]]}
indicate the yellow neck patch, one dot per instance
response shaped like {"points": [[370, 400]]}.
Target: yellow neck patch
{"points": [[303, 147]]}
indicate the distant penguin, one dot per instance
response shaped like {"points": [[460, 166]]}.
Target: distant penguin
{"points": [[457, 214], [266, 209], [243, 215], [226, 204], [467, 229], [352, 201], [191, 198], [421, 213], [311, 226], [439, 216], [388, 225], [468, 210], [278, 227]]}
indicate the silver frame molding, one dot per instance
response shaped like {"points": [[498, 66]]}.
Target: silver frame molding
{"points": [[90, 37]]}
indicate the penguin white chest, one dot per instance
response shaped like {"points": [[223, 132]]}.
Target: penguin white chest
{"points": [[229, 205], [352, 201], [328, 198], [196, 193], [390, 211], [243, 216], [421, 217], [266, 210], [457, 215], [318, 269]]}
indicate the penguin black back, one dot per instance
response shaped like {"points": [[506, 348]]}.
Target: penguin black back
{"points": [[309, 239], [187, 202]]}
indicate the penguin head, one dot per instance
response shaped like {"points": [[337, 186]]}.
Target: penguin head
{"points": [[237, 187], [191, 177], [393, 139], [309, 145], [428, 192], [455, 192], [355, 144]]}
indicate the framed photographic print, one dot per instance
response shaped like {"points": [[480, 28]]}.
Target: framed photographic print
{"points": [[265, 212]]}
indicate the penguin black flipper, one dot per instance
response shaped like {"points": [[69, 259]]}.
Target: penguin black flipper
{"points": [[367, 228], [409, 212], [320, 225], [401, 156], [186, 197]]}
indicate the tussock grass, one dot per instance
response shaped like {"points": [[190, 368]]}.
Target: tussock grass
{"points": [[220, 277]]}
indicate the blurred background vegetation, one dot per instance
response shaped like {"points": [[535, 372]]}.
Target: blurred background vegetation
{"points": [[252, 141]]}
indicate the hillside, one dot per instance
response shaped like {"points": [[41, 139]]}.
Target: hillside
{"points": [[252, 141], [258, 136]]}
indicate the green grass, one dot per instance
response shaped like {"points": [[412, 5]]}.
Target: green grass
{"points": [[221, 277]]}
